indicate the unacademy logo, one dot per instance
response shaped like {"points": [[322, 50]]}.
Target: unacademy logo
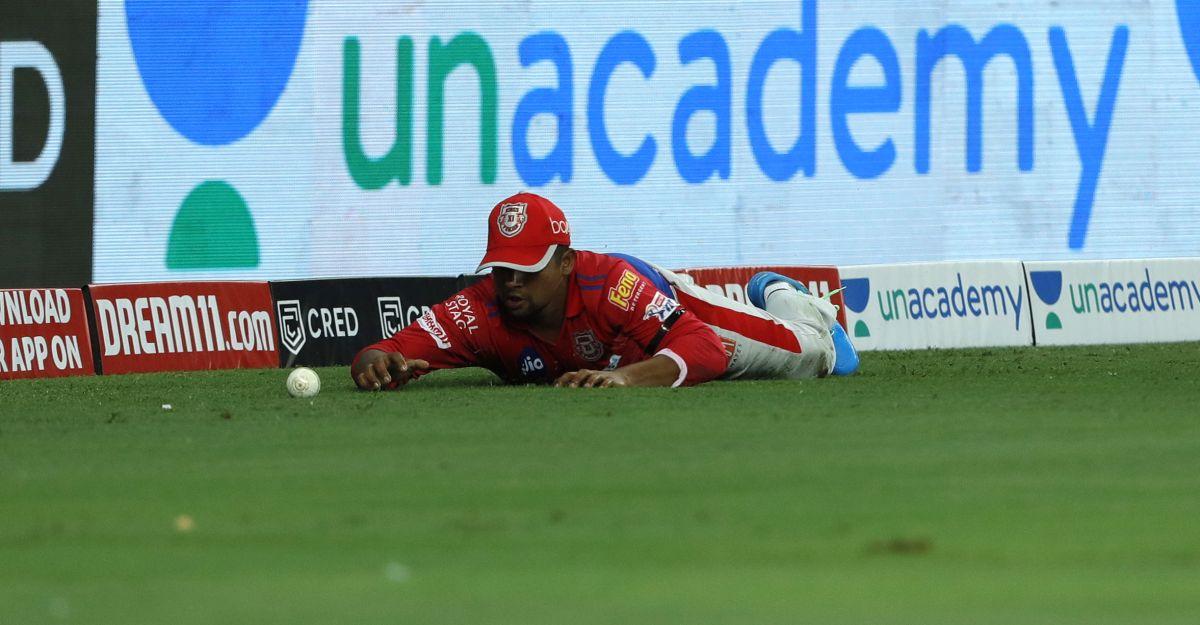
{"points": [[1147, 295], [932, 302], [214, 70], [856, 294], [1048, 287]]}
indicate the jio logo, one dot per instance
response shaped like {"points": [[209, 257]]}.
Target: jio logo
{"points": [[214, 69], [531, 363], [1189, 27]]}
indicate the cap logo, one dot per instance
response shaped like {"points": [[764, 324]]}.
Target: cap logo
{"points": [[512, 218]]}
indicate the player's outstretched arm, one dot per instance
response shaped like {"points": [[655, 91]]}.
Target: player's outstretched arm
{"points": [[657, 371], [376, 369]]}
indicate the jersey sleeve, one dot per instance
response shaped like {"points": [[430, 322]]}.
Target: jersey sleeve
{"points": [[658, 324], [447, 335]]}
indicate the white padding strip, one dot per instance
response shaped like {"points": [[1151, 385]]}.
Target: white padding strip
{"points": [[679, 361]]}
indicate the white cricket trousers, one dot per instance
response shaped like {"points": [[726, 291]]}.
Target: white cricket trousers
{"points": [[790, 339]]}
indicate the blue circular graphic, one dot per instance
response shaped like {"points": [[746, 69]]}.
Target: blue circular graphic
{"points": [[1047, 285], [856, 293], [1189, 26], [215, 68]]}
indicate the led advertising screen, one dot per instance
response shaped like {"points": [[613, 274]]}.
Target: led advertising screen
{"points": [[277, 139]]}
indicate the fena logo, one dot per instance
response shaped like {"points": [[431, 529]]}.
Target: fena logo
{"points": [[622, 294]]}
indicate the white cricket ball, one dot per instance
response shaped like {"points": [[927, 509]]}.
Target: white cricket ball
{"points": [[303, 382]]}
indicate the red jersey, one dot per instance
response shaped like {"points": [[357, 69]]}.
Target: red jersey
{"points": [[614, 317]]}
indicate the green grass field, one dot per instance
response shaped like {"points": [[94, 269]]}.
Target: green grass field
{"points": [[1056, 486]]}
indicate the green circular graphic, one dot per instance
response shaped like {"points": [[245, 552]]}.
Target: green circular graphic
{"points": [[213, 230]]}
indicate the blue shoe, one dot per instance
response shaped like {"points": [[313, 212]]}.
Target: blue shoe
{"points": [[847, 356], [757, 286]]}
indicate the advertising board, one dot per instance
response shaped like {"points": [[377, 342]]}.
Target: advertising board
{"points": [[327, 322], [943, 305], [1117, 301], [183, 326], [44, 334]]}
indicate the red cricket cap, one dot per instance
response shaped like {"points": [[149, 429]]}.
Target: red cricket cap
{"points": [[523, 231]]}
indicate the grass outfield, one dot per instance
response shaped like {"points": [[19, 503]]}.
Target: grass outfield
{"points": [[1056, 486]]}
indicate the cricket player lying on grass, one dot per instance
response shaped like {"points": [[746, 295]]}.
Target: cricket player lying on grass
{"points": [[551, 314]]}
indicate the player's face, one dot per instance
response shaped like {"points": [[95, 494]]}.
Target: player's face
{"points": [[524, 295]]}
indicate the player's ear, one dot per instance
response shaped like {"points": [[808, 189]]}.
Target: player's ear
{"points": [[567, 264]]}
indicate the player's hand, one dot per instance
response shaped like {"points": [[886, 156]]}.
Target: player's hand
{"points": [[588, 378], [377, 370]]}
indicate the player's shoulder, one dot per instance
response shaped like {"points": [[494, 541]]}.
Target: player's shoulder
{"points": [[608, 284], [601, 267]]}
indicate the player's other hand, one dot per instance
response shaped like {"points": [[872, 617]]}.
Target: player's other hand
{"points": [[376, 370], [588, 378]]}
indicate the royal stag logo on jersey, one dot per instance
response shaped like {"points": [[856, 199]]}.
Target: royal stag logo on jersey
{"points": [[461, 313], [587, 346], [622, 294], [291, 325], [512, 218]]}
